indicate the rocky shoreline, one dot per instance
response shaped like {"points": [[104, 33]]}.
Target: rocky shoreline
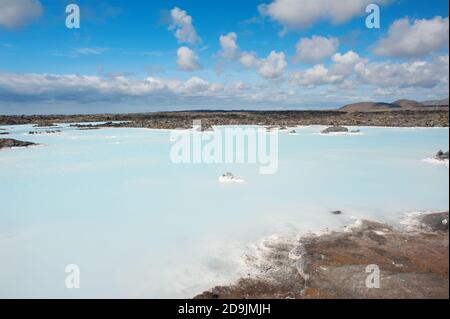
{"points": [[174, 120], [413, 263]]}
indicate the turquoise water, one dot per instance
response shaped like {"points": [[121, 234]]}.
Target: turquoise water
{"points": [[112, 202]]}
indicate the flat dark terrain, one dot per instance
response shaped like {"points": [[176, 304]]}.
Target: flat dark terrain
{"points": [[173, 120]]}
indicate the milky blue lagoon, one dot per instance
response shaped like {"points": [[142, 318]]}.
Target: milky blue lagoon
{"points": [[112, 202]]}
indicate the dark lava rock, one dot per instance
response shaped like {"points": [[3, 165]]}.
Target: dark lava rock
{"points": [[337, 212], [45, 124], [172, 120], [88, 128], [4, 133], [85, 127], [9, 142], [442, 156], [437, 221], [44, 132], [335, 129], [207, 128]]}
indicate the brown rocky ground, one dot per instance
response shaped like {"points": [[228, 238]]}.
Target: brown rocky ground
{"points": [[413, 264], [173, 120]]}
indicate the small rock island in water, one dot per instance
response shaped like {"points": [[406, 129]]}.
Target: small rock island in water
{"points": [[9, 143], [335, 129], [339, 129], [44, 132], [230, 178], [441, 156]]}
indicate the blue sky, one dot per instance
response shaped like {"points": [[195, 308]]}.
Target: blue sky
{"points": [[126, 56]]}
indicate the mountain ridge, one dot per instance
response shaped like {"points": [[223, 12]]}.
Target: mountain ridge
{"points": [[403, 104]]}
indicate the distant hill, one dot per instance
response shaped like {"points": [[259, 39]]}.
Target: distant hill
{"points": [[408, 104], [442, 102], [395, 106], [370, 106]]}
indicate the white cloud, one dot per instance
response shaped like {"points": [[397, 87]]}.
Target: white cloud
{"points": [[17, 13], [344, 64], [196, 84], [90, 51], [54, 88], [349, 70], [228, 44], [273, 66], [417, 74], [91, 88], [350, 57], [240, 86], [181, 23], [368, 81], [317, 75], [342, 68], [249, 59], [76, 53], [187, 59], [315, 49], [416, 39], [294, 14]]}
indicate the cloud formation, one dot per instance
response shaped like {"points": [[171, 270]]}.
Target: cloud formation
{"points": [[187, 60], [342, 68], [416, 74], [315, 49], [353, 77], [416, 38], [230, 49], [317, 75], [350, 68], [181, 23], [423, 42], [17, 13], [249, 59], [271, 67], [295, 14], [344, 64], [93, 88]]}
